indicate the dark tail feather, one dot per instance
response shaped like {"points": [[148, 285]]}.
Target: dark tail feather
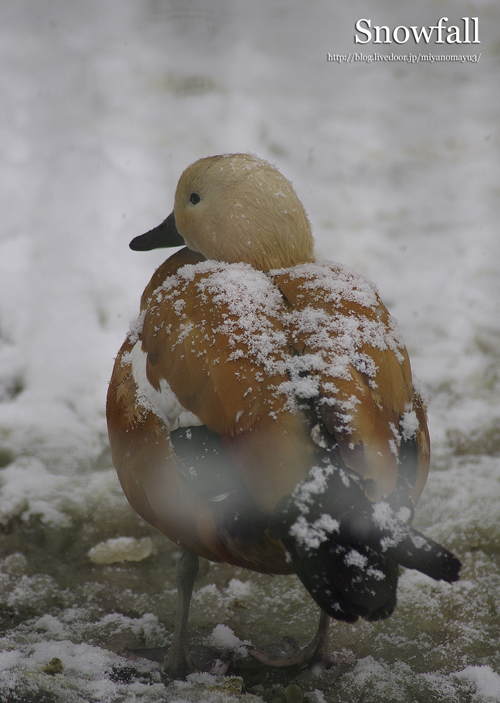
{"points": [[347, 550], [346, 583], [386, 534], [423, 554]]}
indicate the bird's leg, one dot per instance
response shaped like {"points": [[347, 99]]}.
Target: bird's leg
{"points": [[176, 663], [315, 654], [318, 650]]}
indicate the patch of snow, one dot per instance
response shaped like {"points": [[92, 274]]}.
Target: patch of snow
{"points": [[120, 549]]}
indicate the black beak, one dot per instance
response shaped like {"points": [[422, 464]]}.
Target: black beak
{"points": [[165, 235]]}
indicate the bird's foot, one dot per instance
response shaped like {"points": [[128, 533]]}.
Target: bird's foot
{"points": [[316, 655], [178, 664], [287, 652]]}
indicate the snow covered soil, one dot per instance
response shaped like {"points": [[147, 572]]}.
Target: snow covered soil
{"points": [[103, 106]]}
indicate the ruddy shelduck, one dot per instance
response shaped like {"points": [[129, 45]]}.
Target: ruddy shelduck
{"points": [[261, 410]]}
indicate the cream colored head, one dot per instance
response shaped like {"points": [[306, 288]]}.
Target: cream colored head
{"points": [[237, 207]]}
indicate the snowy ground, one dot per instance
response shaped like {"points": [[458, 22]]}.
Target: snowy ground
{"points": [[103, 105]]}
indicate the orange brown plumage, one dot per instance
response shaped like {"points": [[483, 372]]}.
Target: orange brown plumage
{"points": [[261, 411]]}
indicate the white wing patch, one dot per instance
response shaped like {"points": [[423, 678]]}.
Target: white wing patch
{"points": [[164, 402]]}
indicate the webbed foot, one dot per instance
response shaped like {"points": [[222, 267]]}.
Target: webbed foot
{"points": [[287, 652]]}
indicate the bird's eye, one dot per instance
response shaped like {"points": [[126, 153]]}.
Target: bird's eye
{"points": [[194, 198]]}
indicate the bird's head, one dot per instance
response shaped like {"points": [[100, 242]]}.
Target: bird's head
{"points": [[236, 208]]}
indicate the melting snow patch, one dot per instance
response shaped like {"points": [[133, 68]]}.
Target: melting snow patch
{"points": [[121, 549], [486, 680], [239, 589], [354, 558], [311, 534], [223, 637], [409, 424], [316, 485]]}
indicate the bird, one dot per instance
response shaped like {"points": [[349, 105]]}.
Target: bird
{"points": [[261, 410]]}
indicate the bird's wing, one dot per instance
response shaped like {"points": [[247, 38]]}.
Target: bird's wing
{"points": [[241, 351], [146, 465], [234, 384], [212, 332], [205, 358], [353, 363], [214, 336]]}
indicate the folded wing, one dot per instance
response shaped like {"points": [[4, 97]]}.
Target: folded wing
{"points": [[237, 388]]}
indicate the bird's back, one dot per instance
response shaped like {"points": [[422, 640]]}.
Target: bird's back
{"points": [[237, 388]]}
